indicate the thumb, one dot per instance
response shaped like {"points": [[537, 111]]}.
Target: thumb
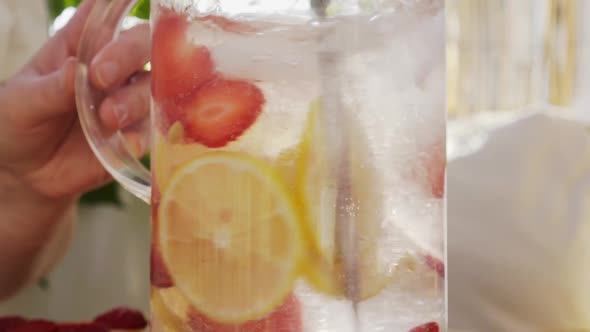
{"points": [[53, 94], [74, 28], [65, 42]]}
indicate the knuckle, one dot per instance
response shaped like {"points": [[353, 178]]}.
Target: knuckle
{"points": [[133, 49], [112, 100]]}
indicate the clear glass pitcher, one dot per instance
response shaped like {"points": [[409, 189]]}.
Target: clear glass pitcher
{"points": [[297, 162]]}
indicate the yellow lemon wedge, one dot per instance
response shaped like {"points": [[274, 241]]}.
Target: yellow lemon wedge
{"points": [[317, 185], [230, 235], [286, 166], [169, 309]]}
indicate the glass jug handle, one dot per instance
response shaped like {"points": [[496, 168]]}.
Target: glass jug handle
{"points": [[110, 148]]}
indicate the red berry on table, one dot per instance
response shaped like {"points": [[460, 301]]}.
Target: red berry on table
{"points": [[9, 322], [35, 326], [122, 318], [428, 327], [178, 65], [221, 111], [82, 327]]}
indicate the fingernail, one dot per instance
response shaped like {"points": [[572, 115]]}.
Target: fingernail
{"points": [[107, 73], [136, 148], [121, 114]]}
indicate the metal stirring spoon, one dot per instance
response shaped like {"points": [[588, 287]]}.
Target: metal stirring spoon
{"points": [[335, 122]]}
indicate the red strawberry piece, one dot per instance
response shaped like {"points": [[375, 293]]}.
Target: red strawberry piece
{"points": [[122, 318], [287, 318], [428, 327], [35, 326], [156, 195], [9, 322], [436, 163], [169, 113], [159, 275], [178, 66], [83, 327], [435, 264], [221, 111]]}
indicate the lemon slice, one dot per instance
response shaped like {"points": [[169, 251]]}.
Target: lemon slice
{"points": [[230, 236], [325, 268], [170, 152]]}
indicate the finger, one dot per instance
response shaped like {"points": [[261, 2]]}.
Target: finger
{"points": [[121, 58], [65, 42], [72, 32], [53, 94], [127, 105], [75, 171], [80, 171], [136, 142]]}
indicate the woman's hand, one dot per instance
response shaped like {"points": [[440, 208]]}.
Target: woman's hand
{"points": [[45, 161]]}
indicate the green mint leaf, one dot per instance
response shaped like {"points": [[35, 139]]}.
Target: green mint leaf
{"points": [[141, 9]]}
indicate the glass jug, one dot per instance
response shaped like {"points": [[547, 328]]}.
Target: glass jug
{"points": [[297, 162]]}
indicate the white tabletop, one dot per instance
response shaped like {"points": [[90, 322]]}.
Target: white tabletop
{"points": [[519, 222]]}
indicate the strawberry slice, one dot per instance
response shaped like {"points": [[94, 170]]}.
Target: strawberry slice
{"points": [[435, 264], [436, 163], [156, 194], [159, 275], [430, 169], [428, 327], [170, 112], [178, 66], [221, 111], [287, 318]]}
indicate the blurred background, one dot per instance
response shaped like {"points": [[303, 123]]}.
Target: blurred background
{"points": [[503, 55], [518, 97]]}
